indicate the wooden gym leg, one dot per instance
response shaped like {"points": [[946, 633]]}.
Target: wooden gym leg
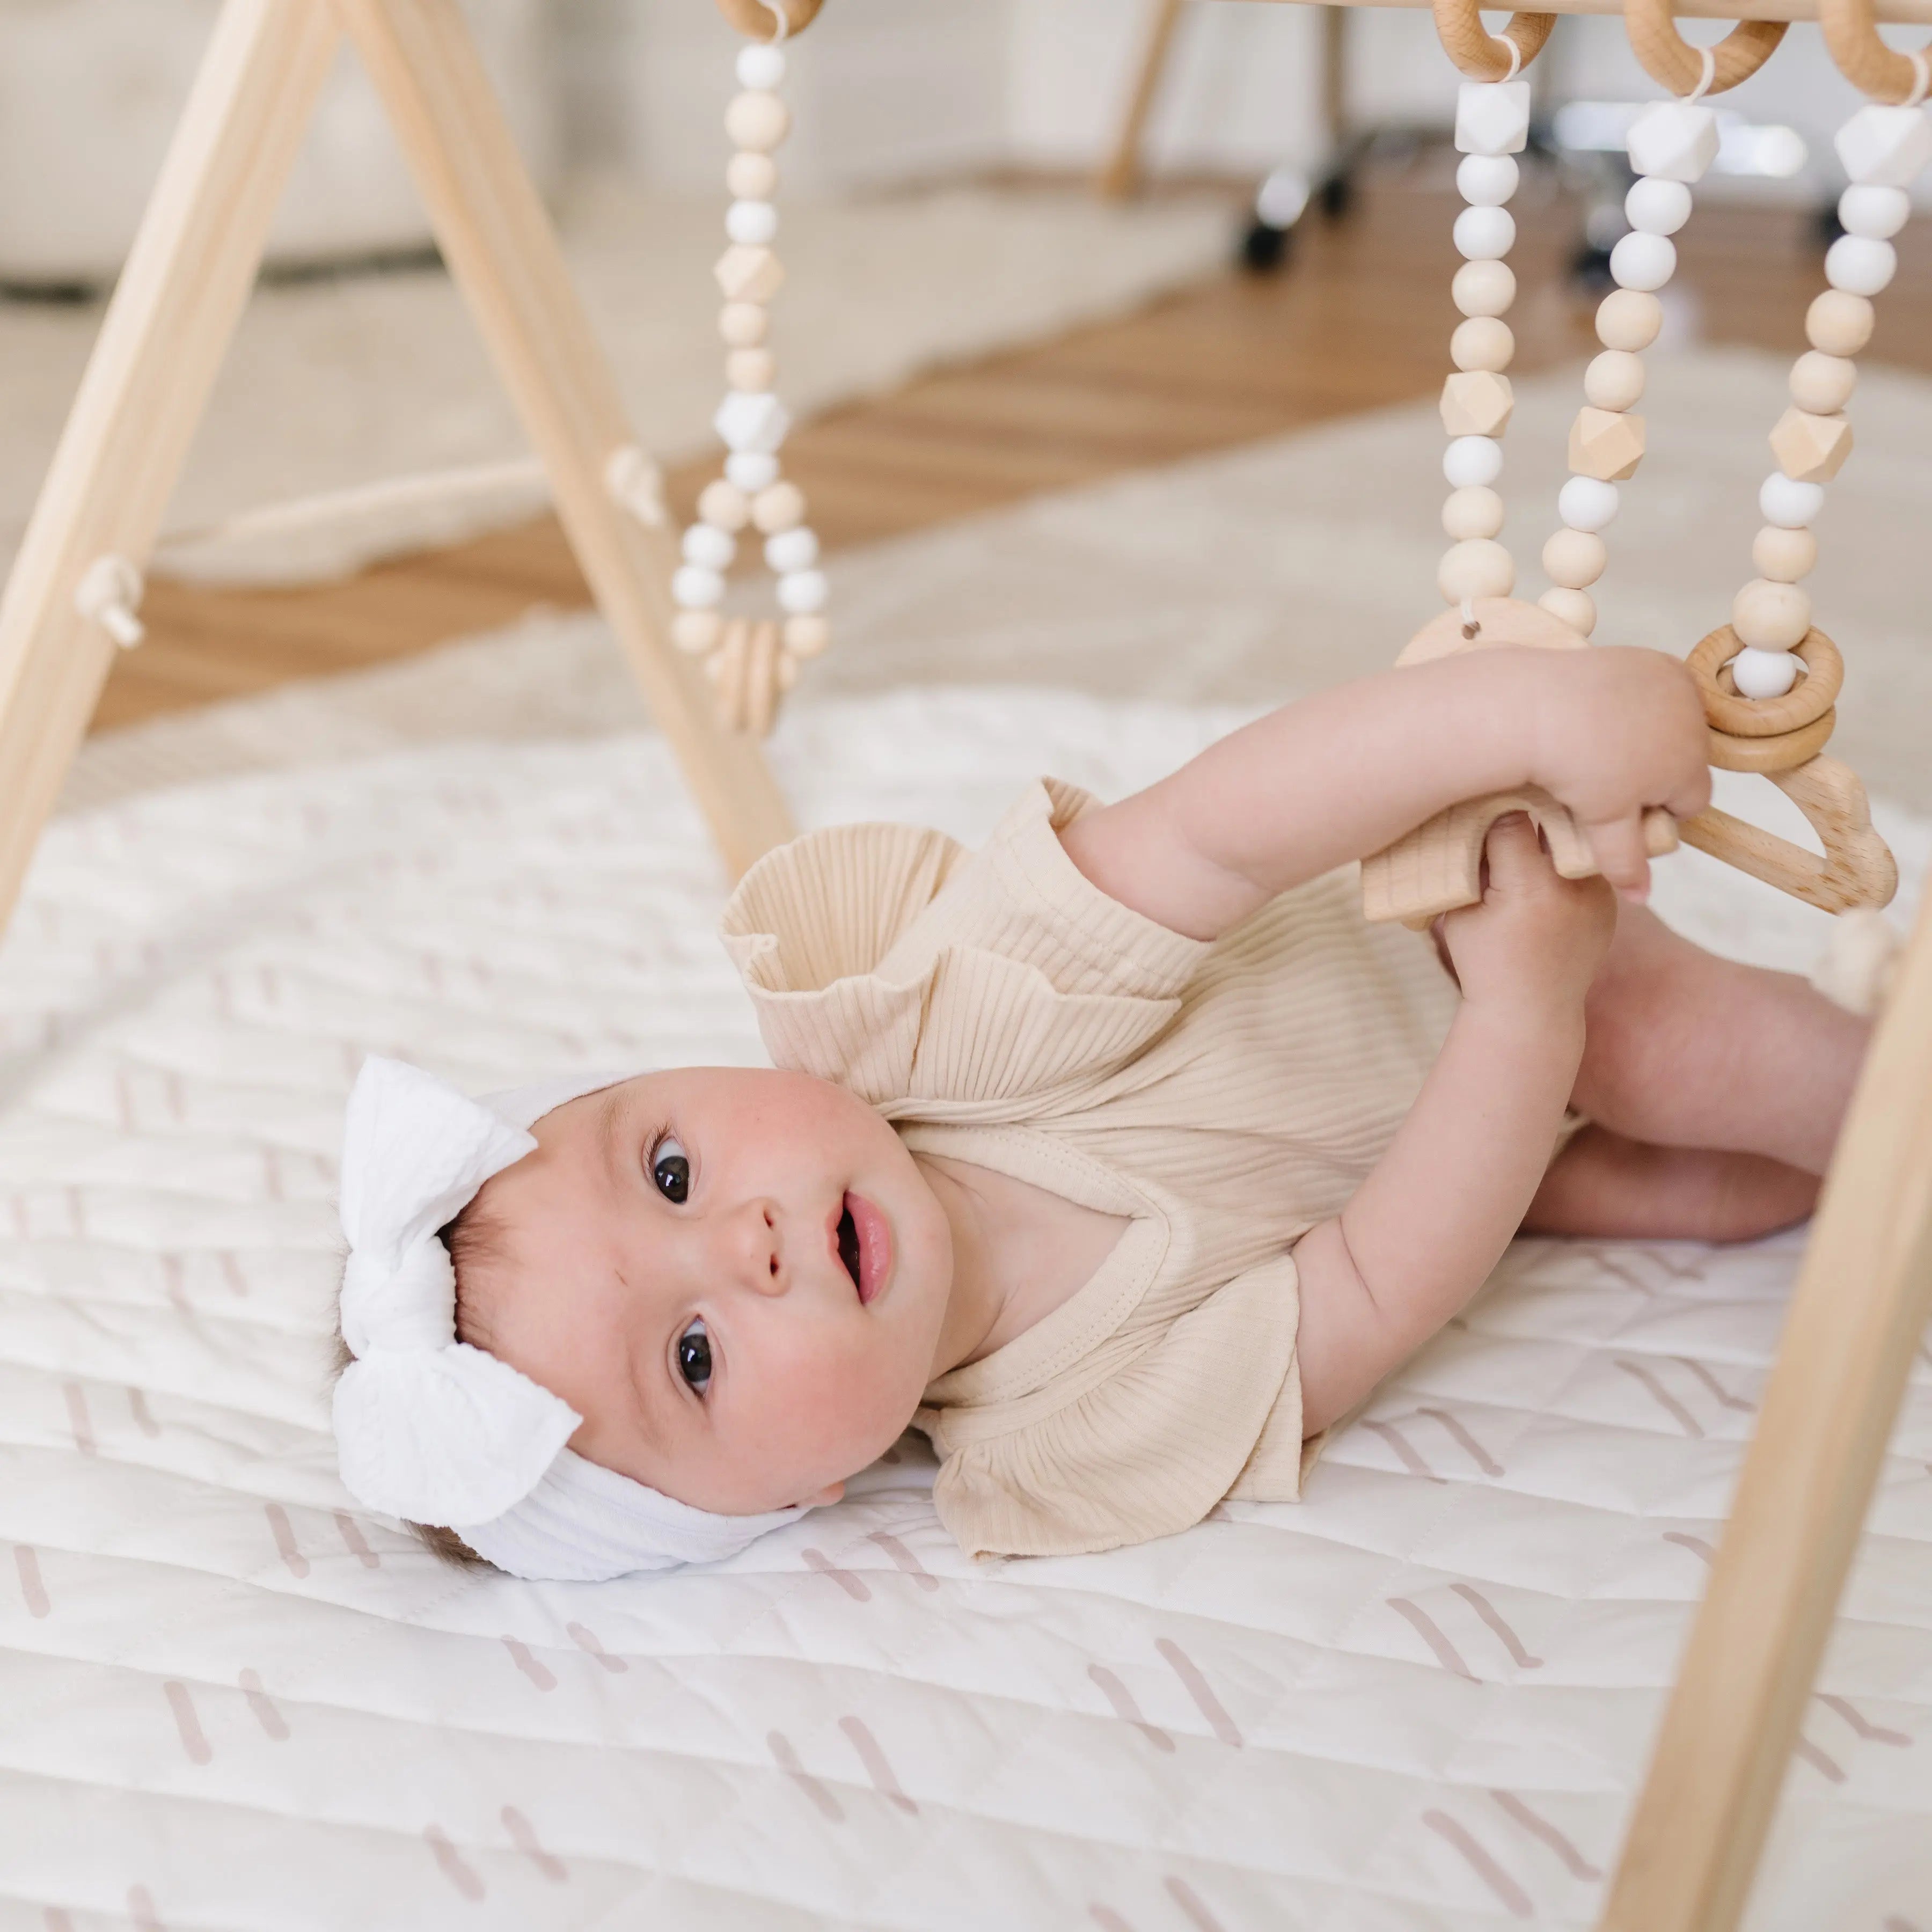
{"points": [[499, 245], [1121, 174], [174, 310], [1857, 1317]]}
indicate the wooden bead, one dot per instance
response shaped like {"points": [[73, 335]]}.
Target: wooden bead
{"points": [[757, 120], [1484, 288], [1577, 608], [1476, 511], [1482, 342], [748, 274], [1476, 402], [724, 506], [1574, 559], [1822, 384], [1606, 445], [743, 325], [1783, 556], [696, 632], [805, 636], [1479, 567], [1769, 616], [1627, 319], [1838, 323], [1614, 380], [1809, 448], [751, 368], [780, 507], [752, 177]]}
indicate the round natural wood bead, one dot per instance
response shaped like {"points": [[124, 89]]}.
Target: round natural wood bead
{"points": [[1484, 288], [1575, 559], [1783, 556], [1837, 323], [1476, 511], [752, 177], [1483, 342], [1614, 380], [743, 325], [1478, 567], [724, 506], [1628, 319], [696, 632], [1769, 616], [758, 121], [1822, 384], [754, 369], [782, 507], [1577, 608], [805, 636]]}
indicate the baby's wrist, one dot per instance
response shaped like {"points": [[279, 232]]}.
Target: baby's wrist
{"points": [[1527, 1016]]}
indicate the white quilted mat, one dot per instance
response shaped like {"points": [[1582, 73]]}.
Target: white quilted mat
{"points": [[1422, 1699]]}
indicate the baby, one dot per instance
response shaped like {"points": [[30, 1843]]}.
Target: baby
{"points": [[1120, 1157]]}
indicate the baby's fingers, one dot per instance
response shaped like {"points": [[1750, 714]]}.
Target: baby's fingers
{"points": [[1622, 856], [1514, 851]]}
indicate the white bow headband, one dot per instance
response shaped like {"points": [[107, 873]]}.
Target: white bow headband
{"points": [[432, 1430]]}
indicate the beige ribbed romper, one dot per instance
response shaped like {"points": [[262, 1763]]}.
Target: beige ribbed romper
{"points": [[1000, 1008]]}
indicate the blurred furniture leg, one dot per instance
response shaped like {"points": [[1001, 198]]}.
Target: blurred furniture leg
{"points": [[1121, 174]]}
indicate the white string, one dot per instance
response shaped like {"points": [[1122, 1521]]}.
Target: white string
{"points": [[1470, 624], [1922, 67], [1500, 40], [776, 10], [1706, 77]]}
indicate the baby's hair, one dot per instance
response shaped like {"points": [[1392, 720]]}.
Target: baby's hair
{"points": [[474, 1241]]}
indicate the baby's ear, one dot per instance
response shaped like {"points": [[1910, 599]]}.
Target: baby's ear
{"points": [[832, 1493]]}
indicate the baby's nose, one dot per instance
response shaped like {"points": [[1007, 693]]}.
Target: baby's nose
{"points": [[757, 1256]]}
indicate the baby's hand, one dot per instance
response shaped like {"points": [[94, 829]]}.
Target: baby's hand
{"points": [[1617, 730], [1535, 940]]}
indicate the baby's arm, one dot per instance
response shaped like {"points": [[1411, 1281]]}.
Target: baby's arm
{"points": [[1422, 1233], [1337, 776]]}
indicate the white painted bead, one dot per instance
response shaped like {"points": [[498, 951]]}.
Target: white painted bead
{"points": [[1486, 180], [1485, 234], [1628, 319], [750, 470], [1614, 380], [1473, 512], [1479, 567], [1642, 262], [695, 588], [1877, 213], [724, 505], [1574, 559], [1839, 324], [1484, 288], [1587, 503], [1471, 461], [1859, 266], [710, 547], [1791, 505], [1656, 206], [796, 549], [1764, 673], [743, 325], [1885, 147], [1771, 616], [1577, 608], [751, 420], [780, 507], [751, 223], [803, 593], [696, 632], [752, 177], [757, 120], [1491, 117], [761, 66], [1482, 342], [1783, 556], [1822, 384], [1676, 139]]}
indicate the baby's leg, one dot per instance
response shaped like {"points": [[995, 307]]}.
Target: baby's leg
{"points": [[1623, 1190]]}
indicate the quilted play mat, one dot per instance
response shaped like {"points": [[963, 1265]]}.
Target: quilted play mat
{"points": [[1422, 1699]]}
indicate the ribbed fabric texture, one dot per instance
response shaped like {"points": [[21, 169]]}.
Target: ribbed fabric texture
{"points": [[1000, 1008]]}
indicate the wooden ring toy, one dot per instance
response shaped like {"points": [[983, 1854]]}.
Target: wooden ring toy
{"points": [[1804, 702], [1482, 55], [1767, 756], [1856, 868], [1672, 62], [1851, 33], [753, 18]]}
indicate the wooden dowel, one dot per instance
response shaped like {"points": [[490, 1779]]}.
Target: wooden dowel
{"points": [[1120, 175], [1902, 12]]}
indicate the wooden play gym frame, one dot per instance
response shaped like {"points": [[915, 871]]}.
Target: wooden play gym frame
{"points": [[1865, 1293]]}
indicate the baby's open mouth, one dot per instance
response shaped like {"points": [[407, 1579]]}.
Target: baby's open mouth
{"points": [[848, 1246]]}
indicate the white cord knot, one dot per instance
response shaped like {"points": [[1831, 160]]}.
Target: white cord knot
{"points": [[1502, 40], [636, 484], [1707, 76], [109, 594], [1922, 85]]}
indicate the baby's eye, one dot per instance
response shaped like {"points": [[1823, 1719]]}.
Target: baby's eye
{"points": [[693, 1357], [670, 1168]]}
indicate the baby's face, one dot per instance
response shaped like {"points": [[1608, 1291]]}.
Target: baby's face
{"points": [[737, 1278]]}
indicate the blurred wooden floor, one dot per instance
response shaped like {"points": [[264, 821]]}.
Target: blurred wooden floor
{"points": [[1360, 318]]}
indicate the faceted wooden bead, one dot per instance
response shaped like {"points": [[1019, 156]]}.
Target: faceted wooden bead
{"points": [[724, 505], [757, 120], [1838, 323], [1605, 444], [1479, 567], [1574, 559], [1476, 402], [1484, 288], [780, 507], [748, 274], [696, 632], [743, 325], [1577, 608], [1822, 384], [1614, 380], [1484, 341], [805, 636], [1809, 448], [1628, 319], [1783, 556], [1476, 511], [752, 177], [1771, 616], [751, 368]]}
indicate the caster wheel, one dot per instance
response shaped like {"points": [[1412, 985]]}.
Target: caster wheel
{"points": [[1590, 267], [1336, 196], [1264, 248], [1826, 228]]}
